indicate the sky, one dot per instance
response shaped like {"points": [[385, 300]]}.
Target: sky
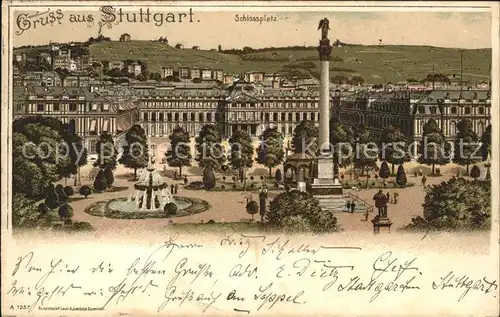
{"points": [[209, 29]]}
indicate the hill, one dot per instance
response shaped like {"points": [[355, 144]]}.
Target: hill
{"points": [[377, 64]]}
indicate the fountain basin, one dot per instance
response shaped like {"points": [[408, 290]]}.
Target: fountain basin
{"points": [[121, 208]]}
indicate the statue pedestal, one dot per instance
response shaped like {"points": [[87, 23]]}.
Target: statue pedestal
{"points": [[326, 188], [379, 222]]}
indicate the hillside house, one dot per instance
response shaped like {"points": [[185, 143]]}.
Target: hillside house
{"points": [[125, 37], [179, 46], [167, 71]]}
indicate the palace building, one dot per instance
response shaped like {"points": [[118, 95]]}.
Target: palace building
{"points": [[409, 111], [243, 105]]}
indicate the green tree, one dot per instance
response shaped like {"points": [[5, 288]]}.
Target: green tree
{"points": [[52, 199], [270, 152], [100, 182], [209, 178], [135, 151], [75, 153], [435, 150], [342, 138], [61, 195], [106, 152], [384, 171], [300, 204], [456, 205], [209, 148], [401, 176], [475, 172], [252, 208], [37, 157], [486, 143], [170, 209], [241, 156], [305, 138], [179, 154], [366, 157], [466, 142], [392, 144]]}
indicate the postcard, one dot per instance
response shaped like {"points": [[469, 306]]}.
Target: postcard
{"points": [[250, 158]]}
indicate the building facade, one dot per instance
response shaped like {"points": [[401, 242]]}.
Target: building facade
{"points": [[88, 114]]}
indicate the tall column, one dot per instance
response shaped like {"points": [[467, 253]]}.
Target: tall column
{"points": [[324, 98]]}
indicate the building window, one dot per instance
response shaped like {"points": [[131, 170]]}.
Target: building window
{"points": [[453, 110], [72, 107], [209, 117], [105, 107], [313, 116], [481, 110], [94, 107], [176, 117], [105, 126], [92, 129], [169, 117], [290, 117], [184, 117], [283, 117], [153, 116], [56, 107], [297, 116], [266, 116], [39, 107], [193, 117], [145, 116], [275, 117], [467, 110], [200, 117]]}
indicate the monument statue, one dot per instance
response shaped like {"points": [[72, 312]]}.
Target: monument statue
{"points": [[324, 44], [324, 25]]}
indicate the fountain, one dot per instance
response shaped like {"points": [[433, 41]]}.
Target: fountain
{"points": [[150, 192], [148, 199]]}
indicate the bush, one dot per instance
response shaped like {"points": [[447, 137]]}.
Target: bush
{"points": [[170, 209], [63, 198], [211, 221], [234, 186], [82, 226], [110, 178], [43, 208], [100, 182], [223, 187], [475, 172], [384, 171], [251, 178], [68, 190], [85, 191], [252, 208], [295, 203], [278, 176], [401, 176], [208, 178], [65, 212], [295, 224]]}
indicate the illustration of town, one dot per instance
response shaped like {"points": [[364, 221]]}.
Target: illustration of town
{"points": [[140, 132]]}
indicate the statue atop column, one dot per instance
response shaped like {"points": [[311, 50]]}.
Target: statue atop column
{"points": [[324, 44]]}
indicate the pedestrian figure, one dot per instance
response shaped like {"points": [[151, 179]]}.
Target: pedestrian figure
{"points": [[353, 206], [348, 206], [424, 180], [415, 174], [175, 174], [395, 195], [164, 168], [388, 197], [176, 188], [420, 171], [366, 214], [172, 189], [185, 180]]}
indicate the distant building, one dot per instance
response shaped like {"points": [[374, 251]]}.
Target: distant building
{"points": [[167, 71], [184, 73], [125, 37], [228, 79], [218, 75], [51, 79], [483, 85], [135, 68], [116, 64], [195, 73], [196, 47], [206, 74], [62, 62], [73, 65], [254, 77], [179, 46]]}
